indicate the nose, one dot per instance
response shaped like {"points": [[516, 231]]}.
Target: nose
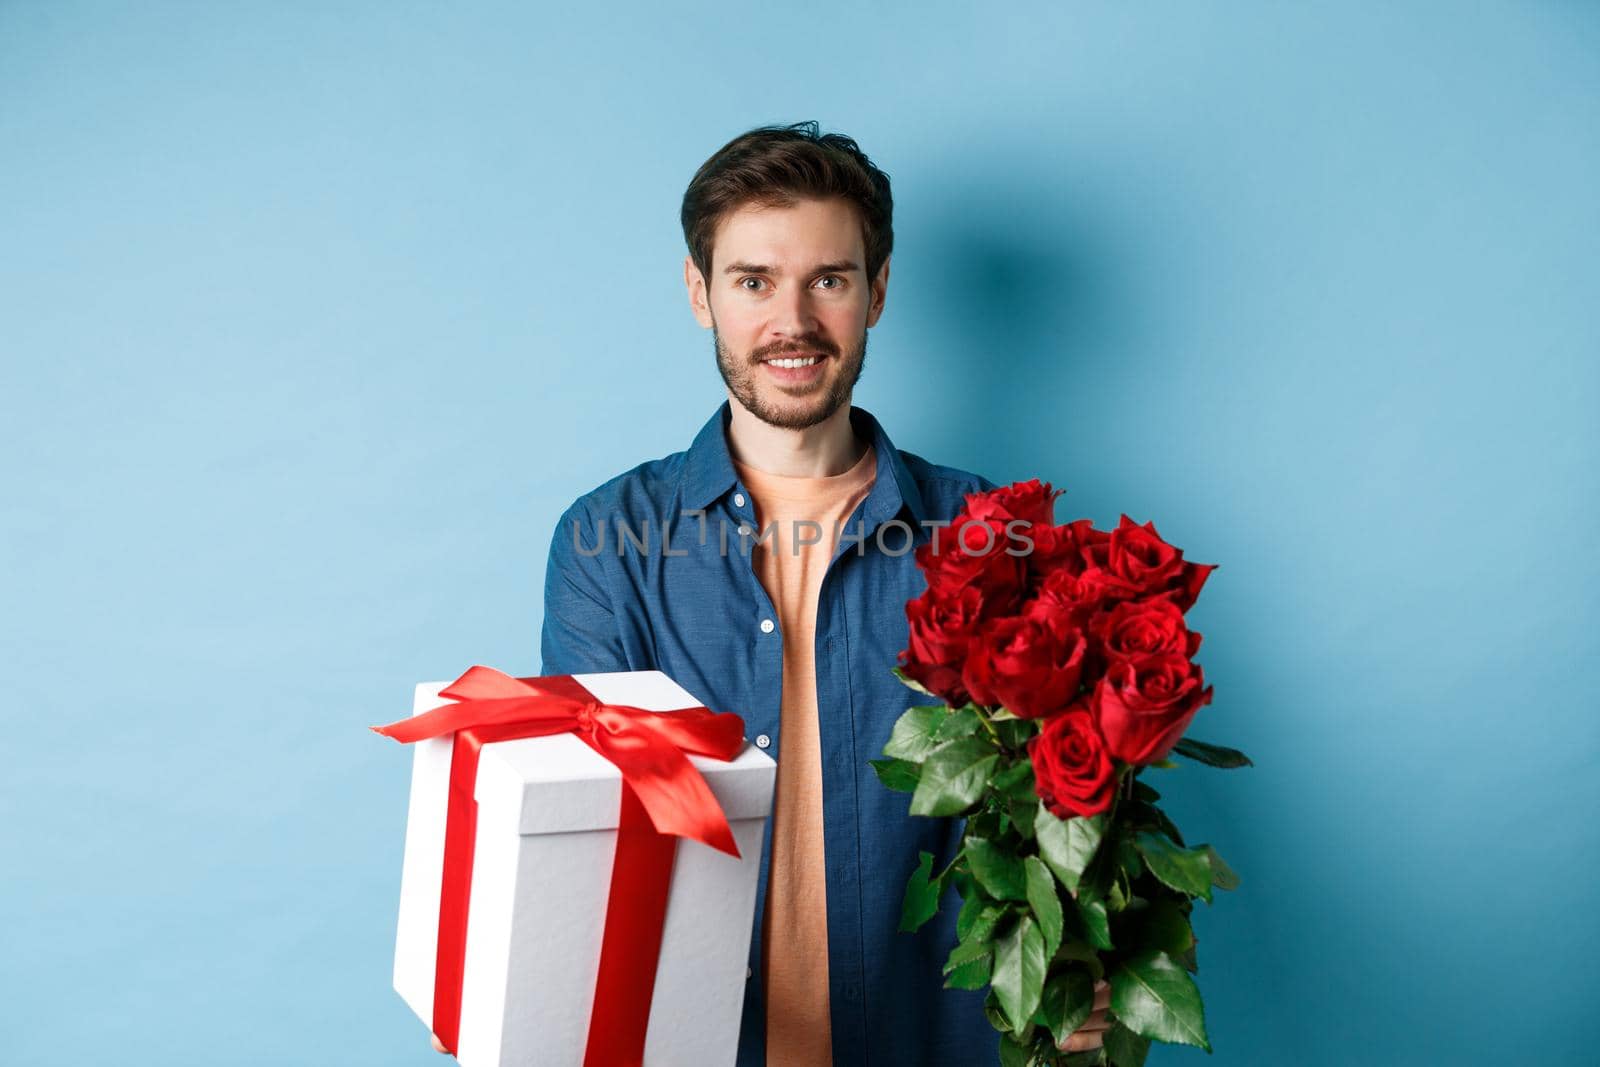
{"points": [[793, 315]]}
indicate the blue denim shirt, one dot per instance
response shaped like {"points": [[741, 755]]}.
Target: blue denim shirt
{"points": [[686, 605]]}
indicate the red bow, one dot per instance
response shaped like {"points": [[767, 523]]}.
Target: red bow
{"points": [[663, 798]]}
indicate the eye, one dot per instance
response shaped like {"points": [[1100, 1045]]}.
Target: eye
{"points": [[750, 278], [839, 282]]}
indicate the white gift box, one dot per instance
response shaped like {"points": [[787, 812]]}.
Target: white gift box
{"points": [[541, 873]]}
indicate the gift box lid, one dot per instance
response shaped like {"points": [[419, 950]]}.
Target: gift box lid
{"points": [[561, 785]]}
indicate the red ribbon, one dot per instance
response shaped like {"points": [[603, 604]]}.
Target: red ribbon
{"points": [[663, 797]]}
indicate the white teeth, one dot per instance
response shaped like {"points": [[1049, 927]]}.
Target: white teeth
{"points": [[806, 362]]}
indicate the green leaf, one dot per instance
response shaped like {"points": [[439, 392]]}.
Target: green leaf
{"points": [[966, 952], [1145, 792], [1188, 870], [983, 923], [1013, 1054], [1165, 928], [1128, 857], [1067, 1003], [953, 777], [1067, 845], [971, 975], [913, 735], [1162, 765], [1022, 814], [1222, 875], [1154, 997], [1046, 905], [996, 869], [969, 964], [1212, 755], [996, 1017], [1019, 966], [1015, 733], [970, 907], [1149, 817], [965, 884], [962, 722], [1013, 788], [984, 824], [1078, 952], [922, 895], [1124, 1048], [1119, 894], [1095, 922], [1016, 781], [911, 682], [898, 774]]}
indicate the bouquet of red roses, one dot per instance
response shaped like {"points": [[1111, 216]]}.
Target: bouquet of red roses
{"points": [[1065, 668]]}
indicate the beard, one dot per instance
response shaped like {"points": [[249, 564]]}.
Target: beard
{"points": [[822, 399]]}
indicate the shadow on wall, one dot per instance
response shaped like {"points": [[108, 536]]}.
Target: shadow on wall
{"points": [[1022, 290]]}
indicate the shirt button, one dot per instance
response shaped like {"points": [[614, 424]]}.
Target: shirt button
{"points": [[763, 741], [738, 500], [749, 973], [766, 626], [745, 529]]}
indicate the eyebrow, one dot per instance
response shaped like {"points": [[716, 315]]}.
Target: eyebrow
{"points": [[841, 266]]}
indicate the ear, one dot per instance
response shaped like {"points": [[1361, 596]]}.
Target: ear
{"points": [[695, 283], [880, 292]]}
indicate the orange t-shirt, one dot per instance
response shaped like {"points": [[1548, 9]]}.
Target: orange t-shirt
{"points": [[795, 926]]}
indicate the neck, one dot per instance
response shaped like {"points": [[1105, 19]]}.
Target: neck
{"points": [[826, 449]]}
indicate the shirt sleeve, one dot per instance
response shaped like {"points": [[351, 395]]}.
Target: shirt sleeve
{"points": [[580, 634]]}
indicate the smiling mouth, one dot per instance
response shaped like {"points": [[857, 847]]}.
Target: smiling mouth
{"points": [[794, 362]]}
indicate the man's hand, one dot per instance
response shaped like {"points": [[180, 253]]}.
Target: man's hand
{"points": [[438, 1046], [1092, 1034]]}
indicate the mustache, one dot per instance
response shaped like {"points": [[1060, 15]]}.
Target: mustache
{"points": [[804, 347]]}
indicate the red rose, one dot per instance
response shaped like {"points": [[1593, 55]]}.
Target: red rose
{"points": [[973, 552], [1028, 664], [1137, 554], [1143, 705], [1072, 771], [1091, 544], [1104, 589], [942, 623], [1053, 548], [1136, 628], [1032, 501], [1077, 595]]}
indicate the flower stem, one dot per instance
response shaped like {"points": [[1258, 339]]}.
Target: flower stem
{"points": [[1124, 789], [987, 725]]}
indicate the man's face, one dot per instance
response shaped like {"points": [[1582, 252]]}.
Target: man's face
{"points": [[789, 283]]}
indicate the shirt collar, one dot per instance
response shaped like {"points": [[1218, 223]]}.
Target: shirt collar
{"points": [[708, 470]]}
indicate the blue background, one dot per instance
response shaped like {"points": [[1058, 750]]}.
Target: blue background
{"points": [[314, 317]]}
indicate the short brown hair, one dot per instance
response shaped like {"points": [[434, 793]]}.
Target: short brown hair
{"points": [[774, 166]]}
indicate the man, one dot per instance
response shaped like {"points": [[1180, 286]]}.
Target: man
{"points": [[766, 569]]}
